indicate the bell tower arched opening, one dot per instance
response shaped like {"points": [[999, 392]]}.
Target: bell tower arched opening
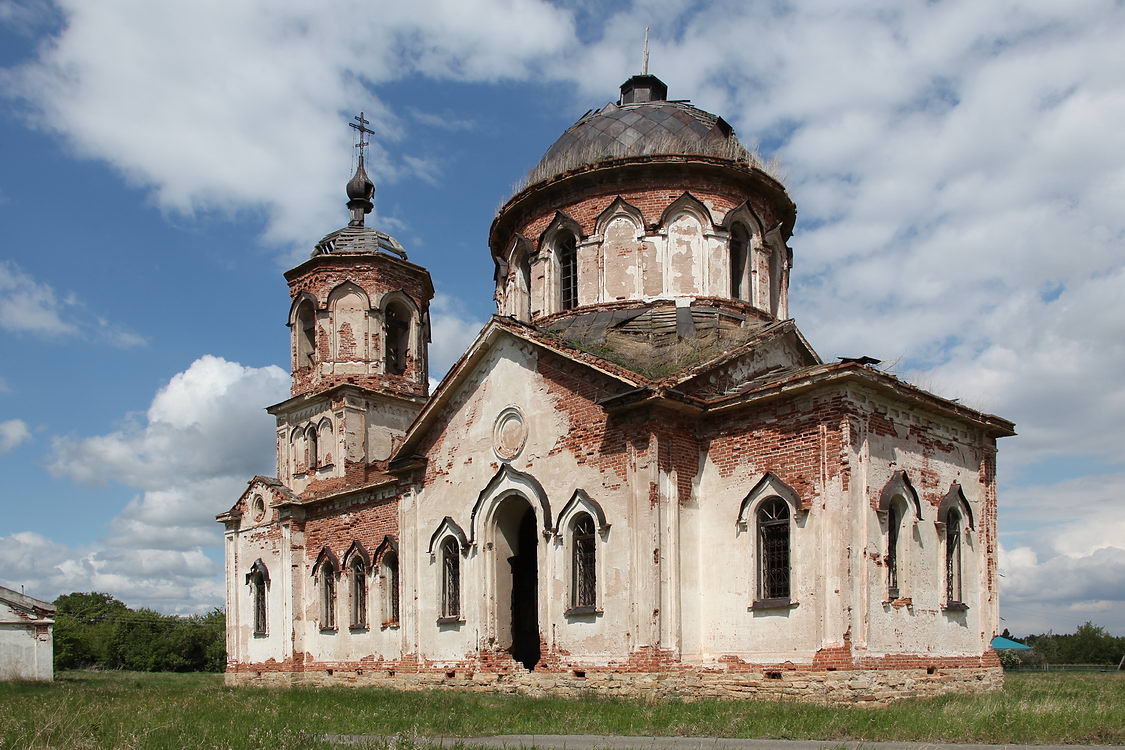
{"points": [[516, 547]]}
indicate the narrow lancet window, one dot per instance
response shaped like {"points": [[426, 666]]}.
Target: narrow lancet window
{"points": [[893, 520], [397, 336], [953, 592], [390, 580], [359, 593], [328, 598], [739, 254], [567, 253], [258, 584], [450, 579], [306, 335], [773, 545], [584, 565]]}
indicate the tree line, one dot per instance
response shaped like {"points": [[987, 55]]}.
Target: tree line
{"points": [[97, 631], [1088, 644]]}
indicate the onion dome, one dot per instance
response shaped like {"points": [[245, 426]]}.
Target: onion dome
{"points": [[642, 122], [355, 237]]}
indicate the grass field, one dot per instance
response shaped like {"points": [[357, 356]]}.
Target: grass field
{"points": [[136, 710]]}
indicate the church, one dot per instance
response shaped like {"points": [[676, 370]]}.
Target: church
{"points": [[639, 479]]}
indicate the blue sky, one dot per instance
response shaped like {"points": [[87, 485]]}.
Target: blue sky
{"points": [[959, 169]]}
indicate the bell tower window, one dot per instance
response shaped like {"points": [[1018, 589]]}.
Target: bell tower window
{"points": [[397, 333], [567, 254], [306, 335]]}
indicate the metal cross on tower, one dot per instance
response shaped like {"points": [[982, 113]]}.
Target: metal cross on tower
{"points": [[363, 130]]}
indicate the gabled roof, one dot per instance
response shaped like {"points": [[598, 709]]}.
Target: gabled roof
{"points": [[36, 607], [270, 484]]}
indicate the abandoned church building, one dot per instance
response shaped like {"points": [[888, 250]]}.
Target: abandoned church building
{"points": [[639, 478]]}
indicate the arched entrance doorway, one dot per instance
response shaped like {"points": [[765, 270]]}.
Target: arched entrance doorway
{"points": [[517, 580]]}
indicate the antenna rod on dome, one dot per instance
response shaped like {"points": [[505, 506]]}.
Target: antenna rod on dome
{"points": [[644, 59]]}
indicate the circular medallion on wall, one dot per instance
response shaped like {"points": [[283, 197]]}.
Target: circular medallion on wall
{"points": [[259, 508], [509, 433]]}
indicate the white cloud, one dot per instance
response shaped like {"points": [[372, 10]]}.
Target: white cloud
{"points": [[452, 329], [124, 78], [188, 457], [32, 307], [12, 433]]}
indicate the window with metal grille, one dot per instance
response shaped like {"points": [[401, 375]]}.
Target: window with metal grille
{"points": [[328, 598], [258, 587], [893, 518], [739, 252], [584, 566], [359, 593], [450, 579], [567, 253], [953, 557], [390, 577], [396, 327], [773, 544]]}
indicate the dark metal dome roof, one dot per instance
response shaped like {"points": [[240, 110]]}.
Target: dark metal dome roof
{"points": [[641, 123], [352, 240]]}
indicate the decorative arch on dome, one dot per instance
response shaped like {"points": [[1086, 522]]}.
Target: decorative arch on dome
{"points": [[688, 203], [743, 213], [619, 208], [350, 306], [517, 291], [560, 222], [302, 297]]}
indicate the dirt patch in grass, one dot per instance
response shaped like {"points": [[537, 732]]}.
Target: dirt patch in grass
{"points": [[131, 710]]}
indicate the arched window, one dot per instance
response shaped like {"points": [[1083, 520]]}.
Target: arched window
{"points": [[298, 452], [359, 592], [894, 520], [739, 255], [583, 591], [327, 596], [311, 447], [396, 332], [306, 335], [390, 588], [258, 578], [566, 252], [776, 268], [324, 443], [450, 579], [773, 549], [953, 583]]}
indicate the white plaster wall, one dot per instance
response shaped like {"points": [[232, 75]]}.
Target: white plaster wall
{"points": [[244, 547], [23, 654], [924, 625], [508, 378]]}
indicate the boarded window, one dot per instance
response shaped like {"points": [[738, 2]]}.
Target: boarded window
{"points": [[450, 579], [773, 546], [567, 253], [584, 566]]}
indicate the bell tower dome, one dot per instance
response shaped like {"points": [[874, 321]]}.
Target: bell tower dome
{"points": [[643, 204]]}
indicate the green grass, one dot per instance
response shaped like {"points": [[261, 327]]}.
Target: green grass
{"points": [[135, 710]]}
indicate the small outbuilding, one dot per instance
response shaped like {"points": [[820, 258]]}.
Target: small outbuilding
{"points": [[26, 637]]}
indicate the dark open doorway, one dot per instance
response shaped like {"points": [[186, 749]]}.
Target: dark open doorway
{"points": [[525, 594]]}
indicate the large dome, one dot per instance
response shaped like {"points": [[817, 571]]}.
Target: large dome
{"points": [[643, 122]]}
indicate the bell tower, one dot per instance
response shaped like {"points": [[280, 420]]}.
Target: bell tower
{"points": [[360, 329]]}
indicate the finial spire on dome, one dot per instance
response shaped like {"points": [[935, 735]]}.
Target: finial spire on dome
{"points": [[644, 58], [360, 188]]}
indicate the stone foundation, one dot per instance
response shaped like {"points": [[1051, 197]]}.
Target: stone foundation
{"points": [[867, 686]]}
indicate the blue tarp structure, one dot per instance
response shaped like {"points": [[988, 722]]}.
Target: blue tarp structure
{"points": [[1000, 642]]}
